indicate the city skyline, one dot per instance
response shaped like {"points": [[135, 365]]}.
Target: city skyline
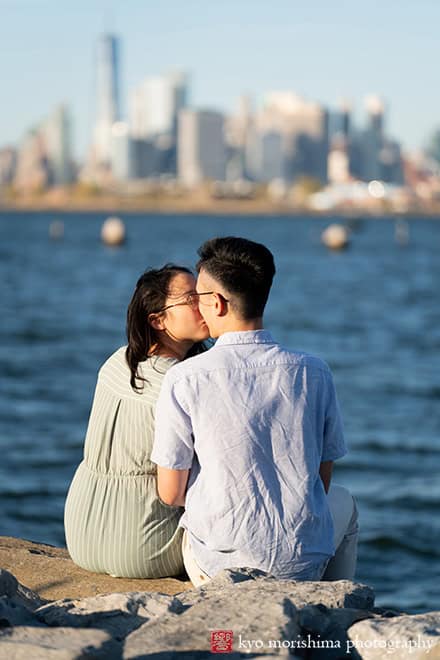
{"points": [[191, 41]]}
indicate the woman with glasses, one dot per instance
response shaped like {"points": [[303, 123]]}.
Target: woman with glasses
{"points": [[114, 520]]}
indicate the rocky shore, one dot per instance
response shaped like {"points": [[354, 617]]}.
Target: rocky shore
{"points": [[51, 609], [196, 204]]}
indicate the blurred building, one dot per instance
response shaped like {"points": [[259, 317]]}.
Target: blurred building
{"points": [[135, 158], [44, 156], [422, 174], [201, 146], [8, 160], [391, 164], [108, 102], [433, 146], [155, 105], [154, 108], [340, 122], [338, 165], [122, 156], [367, 154], [289, 137], [344, 127], [146, 159], [32, 172], [56, 132], [372, 138], [238, 127], [265, 156]]}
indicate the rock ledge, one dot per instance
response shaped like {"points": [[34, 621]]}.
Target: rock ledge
{"points": [[242, 612]]}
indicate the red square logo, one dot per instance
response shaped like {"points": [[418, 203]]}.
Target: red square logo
{"points": [[221, 641]]}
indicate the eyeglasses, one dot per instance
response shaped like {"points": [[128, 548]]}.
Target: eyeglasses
{"points": [[192, 300], [210, 293]]}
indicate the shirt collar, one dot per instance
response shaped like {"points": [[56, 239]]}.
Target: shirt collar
{"points": [[245, 337]]}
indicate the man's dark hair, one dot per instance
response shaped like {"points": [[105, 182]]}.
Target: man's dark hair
{"points": [[244, 268]]}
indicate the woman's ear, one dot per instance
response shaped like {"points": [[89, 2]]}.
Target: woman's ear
{"points": [[156, 321]]}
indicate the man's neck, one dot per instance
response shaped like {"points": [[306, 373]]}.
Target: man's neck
{"points": [[237, 325]]}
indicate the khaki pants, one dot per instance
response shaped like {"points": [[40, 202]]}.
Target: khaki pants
{"points": [[195, 573], [341, 566]]}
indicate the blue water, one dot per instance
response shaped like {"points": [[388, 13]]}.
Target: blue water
{"points": [[371, 312]]}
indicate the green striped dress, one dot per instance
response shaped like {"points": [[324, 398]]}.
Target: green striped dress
{"points": [[114, 520]]}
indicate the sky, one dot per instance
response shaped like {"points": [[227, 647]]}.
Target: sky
{"points": [[324, 50]]}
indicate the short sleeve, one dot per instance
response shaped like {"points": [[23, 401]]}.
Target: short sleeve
{"points": [[334, 446], [173, 446]]}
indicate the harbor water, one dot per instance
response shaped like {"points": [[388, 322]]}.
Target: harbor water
{"points": [[372, 312]]}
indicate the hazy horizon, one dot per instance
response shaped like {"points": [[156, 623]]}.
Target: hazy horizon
{"points": [[323, 52]]}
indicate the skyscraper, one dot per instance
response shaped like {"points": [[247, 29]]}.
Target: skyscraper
{"points": [[154, 108], [302, 146], [340, 121], [8, 160], [340, 151], [238, 131], [375, 109], [57, 139], [44, 157], [373, 138], [122, 161], [108, 107], [32, 172], [155, 105], [201, 147]]}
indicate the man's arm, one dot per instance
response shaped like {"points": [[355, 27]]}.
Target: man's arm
{"points": [[173, 447], [325, 472], [333, 441], [171, 485]]}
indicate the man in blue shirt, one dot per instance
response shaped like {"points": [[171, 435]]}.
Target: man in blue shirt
{"points": [[246, 436]]}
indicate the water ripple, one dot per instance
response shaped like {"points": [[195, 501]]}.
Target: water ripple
{"points": [[368, 312]]}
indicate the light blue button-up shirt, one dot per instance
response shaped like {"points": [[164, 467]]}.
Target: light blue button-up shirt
{"points": [[253, 421]]}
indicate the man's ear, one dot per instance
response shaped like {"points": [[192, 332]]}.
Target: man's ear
{"points": [[220, 305], [156, 321]]}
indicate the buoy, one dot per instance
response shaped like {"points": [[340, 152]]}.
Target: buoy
{"points": [[113, 231], [56, 230], [335, 237]]}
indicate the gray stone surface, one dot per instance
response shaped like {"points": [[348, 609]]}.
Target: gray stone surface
{"points": [[342, 593], [30, 643], [410, 636], [254, 616], [17, 603], [117, 614], [323, 624], [321, 619], [257, 608], [15, 615], [18, 593], [267, 617]]}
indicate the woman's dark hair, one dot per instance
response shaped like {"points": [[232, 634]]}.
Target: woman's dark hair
{"points": [[149, 297]]}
